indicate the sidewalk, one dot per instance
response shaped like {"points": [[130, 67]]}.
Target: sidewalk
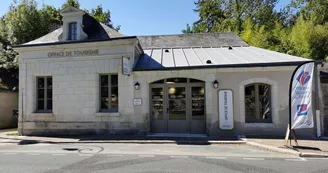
{"points": [[305, 148], [8, 136]]}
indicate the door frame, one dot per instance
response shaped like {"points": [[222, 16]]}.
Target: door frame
{"points": [[188, 87], [187, 98]]}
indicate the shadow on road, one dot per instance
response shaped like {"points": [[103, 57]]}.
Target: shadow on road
{"points": [[28, 142]]}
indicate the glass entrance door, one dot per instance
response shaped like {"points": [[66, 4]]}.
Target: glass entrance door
{"points": [[177, 105], [158, 118], [177, 109]]}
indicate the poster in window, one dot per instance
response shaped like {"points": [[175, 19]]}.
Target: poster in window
{"points": [[226, 109], [126, 66]]}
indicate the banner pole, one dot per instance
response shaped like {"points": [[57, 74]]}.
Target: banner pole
{"points": [[317, 108]]}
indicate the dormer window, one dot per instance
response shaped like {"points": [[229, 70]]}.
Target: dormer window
{"points": [[73, 31]]}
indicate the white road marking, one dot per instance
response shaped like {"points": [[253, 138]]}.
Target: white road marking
{"points": [[85, 155], [146, 156], [33, 154], [179, 156], [115, 155], [253, 158], [58, 154], [297, 160], [317, 158], [38, 145], [10, 153], [304, 159], [216, 158]]}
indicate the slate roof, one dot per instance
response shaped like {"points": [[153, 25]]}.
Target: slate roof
{"points": [[191, 40], [94, 29]]}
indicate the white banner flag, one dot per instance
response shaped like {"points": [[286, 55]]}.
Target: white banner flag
{"points": [[301, 97]]}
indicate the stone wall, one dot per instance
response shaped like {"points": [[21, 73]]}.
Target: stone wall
{"points": [[76, 92], [324, 89], [234, 79], [8, 102]]}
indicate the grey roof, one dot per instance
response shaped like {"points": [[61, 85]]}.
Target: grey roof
{"points": [[191, 40], [199, 57], [94, 29]]}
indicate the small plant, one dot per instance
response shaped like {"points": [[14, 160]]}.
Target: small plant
{"points": [[12, 134]]}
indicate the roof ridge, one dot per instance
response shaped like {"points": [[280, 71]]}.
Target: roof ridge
{"points": [[204, 33]]}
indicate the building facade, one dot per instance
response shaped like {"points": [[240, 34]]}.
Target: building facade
{"points": [[86, 78]]}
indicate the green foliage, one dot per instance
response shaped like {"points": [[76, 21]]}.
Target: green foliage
{"points": [[300, 28], [103, 16], [72, 3], [24, 22], [187, 30], [310, 40]]}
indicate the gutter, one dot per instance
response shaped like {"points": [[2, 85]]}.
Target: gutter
{"points": [[74, 42], [274, 64]]}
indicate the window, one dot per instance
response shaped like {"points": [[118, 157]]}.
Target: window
{"points": [[44, 94], [258, 103], [73, 31], [108, 93]]}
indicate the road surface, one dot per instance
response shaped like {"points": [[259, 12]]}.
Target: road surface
{"points": [[147, 158]]}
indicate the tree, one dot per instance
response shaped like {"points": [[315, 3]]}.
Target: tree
{"points": [[229, 15], [188, 30], [103, 16], [300, 28], [24, 22], [52, 12], [310, 40], [72, 3]]}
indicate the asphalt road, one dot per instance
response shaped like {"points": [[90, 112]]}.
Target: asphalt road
{"points": [[147, 158]]}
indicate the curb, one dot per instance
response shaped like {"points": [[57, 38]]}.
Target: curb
{"points": [[314, 155], [286, 151], [199, 142], [274, 149]]}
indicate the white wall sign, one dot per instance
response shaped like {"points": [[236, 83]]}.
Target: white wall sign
{"points": [[137, 102], [226, 109], [301, 97], [126, 65]]}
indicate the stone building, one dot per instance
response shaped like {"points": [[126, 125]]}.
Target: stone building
{"points": [[87, 78]]}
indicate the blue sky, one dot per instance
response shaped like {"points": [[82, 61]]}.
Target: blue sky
{"points": [[141, 17]]}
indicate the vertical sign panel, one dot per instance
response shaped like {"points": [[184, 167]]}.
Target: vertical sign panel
{"points": [[226, 109], [126, 66], [301, 97]]}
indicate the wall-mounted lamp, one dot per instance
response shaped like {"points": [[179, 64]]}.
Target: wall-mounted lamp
{"points": [[137, 86], [216, 84]]}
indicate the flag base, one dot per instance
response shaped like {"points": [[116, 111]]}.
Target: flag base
{"points": [[288, 131]]}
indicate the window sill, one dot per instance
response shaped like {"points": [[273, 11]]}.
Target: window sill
{"points": [[42, 114], [107, 114], [260, 125]]}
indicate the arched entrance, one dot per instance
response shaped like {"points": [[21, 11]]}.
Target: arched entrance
{"points": [[178, 106]]}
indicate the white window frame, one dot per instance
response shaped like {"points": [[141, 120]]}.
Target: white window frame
{"points": [[70, 24]]}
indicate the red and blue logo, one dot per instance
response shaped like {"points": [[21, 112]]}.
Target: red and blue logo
{"points": [[302, 109], [304, 77]]}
